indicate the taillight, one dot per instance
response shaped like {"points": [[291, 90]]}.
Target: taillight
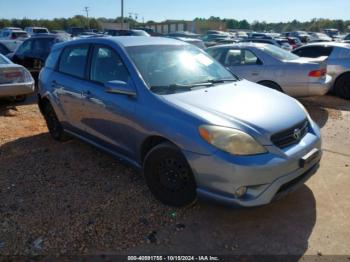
{"points": [[318, 73], [12, 76]]}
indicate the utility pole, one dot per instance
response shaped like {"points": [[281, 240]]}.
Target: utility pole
{"points": [[87, 9], [122, 23]]}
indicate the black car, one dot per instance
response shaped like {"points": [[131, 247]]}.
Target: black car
{"points": [[33, 52]]}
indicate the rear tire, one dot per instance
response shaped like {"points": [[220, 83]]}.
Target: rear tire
{"points": [[169, 176], [53, 124], [271, 85], [342, 86]]}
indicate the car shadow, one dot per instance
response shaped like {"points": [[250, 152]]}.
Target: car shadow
{"points": [[84, 201], [9, 106], [281, 228], [324, 107]]}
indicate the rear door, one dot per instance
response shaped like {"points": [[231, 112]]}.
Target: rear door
{"points": [[69, 82]]}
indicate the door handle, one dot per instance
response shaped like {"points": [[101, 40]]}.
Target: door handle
{"points": [[255, 73]]}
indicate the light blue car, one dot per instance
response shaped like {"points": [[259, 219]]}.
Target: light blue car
{"points": [[173, 112]]}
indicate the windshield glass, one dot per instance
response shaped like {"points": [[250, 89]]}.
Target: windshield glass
{"points": [[4, 60], [170, 65], [40, 31], [278, 52]]}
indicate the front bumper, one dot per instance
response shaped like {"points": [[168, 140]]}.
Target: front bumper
{"points": [[268, 177], [17, 89]]}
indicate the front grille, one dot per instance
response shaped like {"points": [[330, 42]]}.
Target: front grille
{"points": [[291, 135]]}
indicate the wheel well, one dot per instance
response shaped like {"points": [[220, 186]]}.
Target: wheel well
{"points": [[42, 102], [150, 143], [269, 81], [345, 73]]}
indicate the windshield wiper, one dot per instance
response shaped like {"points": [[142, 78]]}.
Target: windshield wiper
{"points": [[218, 81], [175, 87]]}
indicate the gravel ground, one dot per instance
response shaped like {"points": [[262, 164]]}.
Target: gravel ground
{"points": [[69, 198]]}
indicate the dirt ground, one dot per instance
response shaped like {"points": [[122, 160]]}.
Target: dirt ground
{"points": [[69, 198]]}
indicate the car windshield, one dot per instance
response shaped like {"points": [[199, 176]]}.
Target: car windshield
{"points": [[4, 60], [139, 33], [40, 31], [177, 68], [278, 52]]}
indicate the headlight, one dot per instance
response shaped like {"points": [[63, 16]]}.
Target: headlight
{"points": [[230, 140]]}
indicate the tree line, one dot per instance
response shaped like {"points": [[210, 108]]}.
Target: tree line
{"points": [[315, 24]]}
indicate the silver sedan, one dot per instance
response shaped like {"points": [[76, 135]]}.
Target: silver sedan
{"points": [[276, 68], [338, 63], [15, 80]]}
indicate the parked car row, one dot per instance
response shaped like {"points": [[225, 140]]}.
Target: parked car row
{"points": [[207, 120]]}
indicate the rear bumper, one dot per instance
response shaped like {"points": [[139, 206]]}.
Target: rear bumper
{"points": [[320, 88], [17, 89]]}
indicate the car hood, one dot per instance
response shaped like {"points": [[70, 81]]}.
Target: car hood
{"points": [[243, 105]]}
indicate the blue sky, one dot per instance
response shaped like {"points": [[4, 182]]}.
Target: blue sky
{"points": [[158, 10]]}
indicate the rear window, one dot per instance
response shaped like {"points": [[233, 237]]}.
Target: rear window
{"points": [[20, 34], [73, 60]]}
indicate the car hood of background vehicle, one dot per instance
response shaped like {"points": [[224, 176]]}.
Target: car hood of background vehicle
{"points": [[240, 105]]}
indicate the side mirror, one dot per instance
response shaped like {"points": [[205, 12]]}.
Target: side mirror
{"points": [[120, 87]]}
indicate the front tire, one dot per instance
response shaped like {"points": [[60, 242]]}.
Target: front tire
{"points": [[342, 86], [169, 176], [53, 124]]}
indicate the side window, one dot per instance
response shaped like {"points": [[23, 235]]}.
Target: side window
{"points": [[250, 58], [241, 57], [233, 58], [326, 51], [107, 66], [51, 60], [312, 52], [73, 60], [24, 48], [216, 53]]}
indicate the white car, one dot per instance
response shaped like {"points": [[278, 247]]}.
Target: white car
{"points": [[15, 80], [14, 34], [36, 30]]}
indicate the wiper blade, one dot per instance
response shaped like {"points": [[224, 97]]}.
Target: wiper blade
{"points": [[218, 81], [174, 87]]}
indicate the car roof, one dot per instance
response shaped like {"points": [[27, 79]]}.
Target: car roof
{"points": [[242, 45], [334, 44], [46, 36], [125, 41]]}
